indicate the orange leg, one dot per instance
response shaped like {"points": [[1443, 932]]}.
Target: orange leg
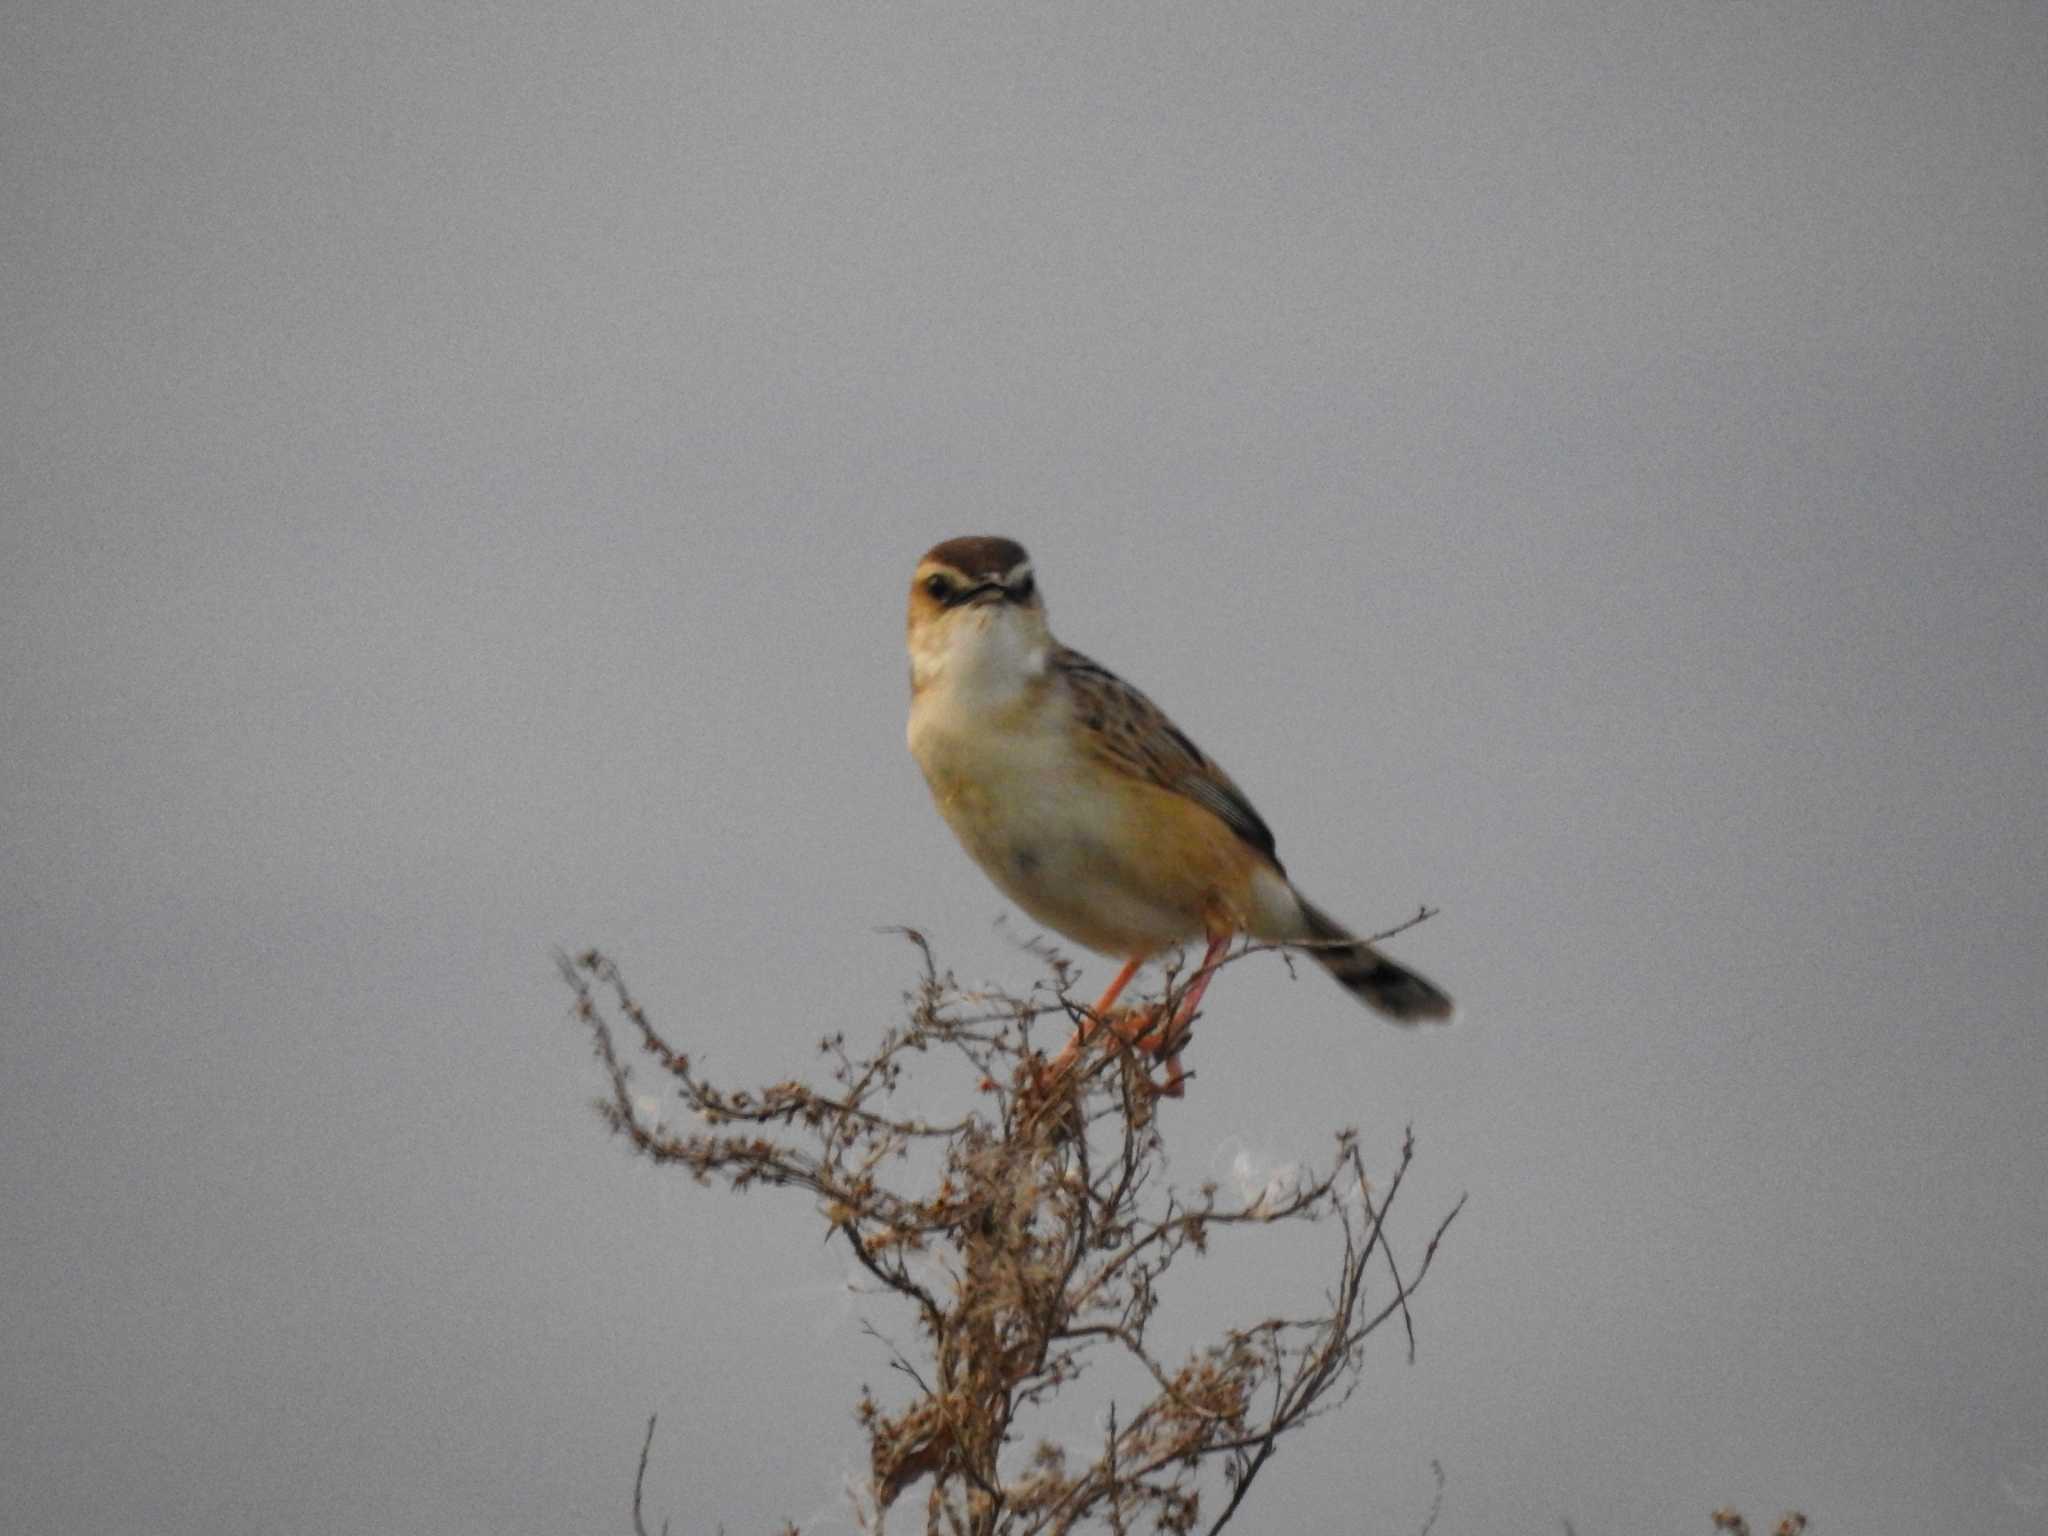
{"points": [[1116, 988], [1097, 1015], [1165, 1038]]}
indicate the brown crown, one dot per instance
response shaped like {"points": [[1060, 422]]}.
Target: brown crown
{"points": [[979, 556]]}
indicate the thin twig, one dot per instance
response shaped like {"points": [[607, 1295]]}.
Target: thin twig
{"points": [[1044, 1216]]}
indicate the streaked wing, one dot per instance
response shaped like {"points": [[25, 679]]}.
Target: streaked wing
{"points": [[1131, 733]]}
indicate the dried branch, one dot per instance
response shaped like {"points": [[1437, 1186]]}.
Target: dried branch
{"points": [[1792, 1523], [1030, 1239], [640, 1483]]}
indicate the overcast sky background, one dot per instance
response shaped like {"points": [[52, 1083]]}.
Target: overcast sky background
{"points": [[1578, 464]]}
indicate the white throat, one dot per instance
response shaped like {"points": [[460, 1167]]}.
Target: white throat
{"points": [[980, 658]]}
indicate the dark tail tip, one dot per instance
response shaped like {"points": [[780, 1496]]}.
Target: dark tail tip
{"points": [[1393, 990], [1376, 981]]}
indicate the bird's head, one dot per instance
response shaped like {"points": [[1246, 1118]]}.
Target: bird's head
{"points": [[974, 604]]}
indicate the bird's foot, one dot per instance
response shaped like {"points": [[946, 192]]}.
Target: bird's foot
{"points": [[1163, 1038], [1147, 1031]]}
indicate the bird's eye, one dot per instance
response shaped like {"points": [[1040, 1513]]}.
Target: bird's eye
{"points": [[1022, 591], [939, 587]]}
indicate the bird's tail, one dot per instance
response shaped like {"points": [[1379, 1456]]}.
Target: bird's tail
{"points": [[1370, 976]]}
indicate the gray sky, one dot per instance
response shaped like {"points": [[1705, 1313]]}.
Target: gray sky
{"points": [[1580, 465]]}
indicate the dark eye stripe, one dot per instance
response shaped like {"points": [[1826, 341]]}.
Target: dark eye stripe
{"points": [[950, 591]]}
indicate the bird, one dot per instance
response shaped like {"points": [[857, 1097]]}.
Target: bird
{"points": [[1092, 811]]}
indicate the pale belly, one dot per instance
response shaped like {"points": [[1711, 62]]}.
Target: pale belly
{"points": [[1072, 846]]}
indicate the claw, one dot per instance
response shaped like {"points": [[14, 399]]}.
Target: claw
{"points": [[1152, 1030]]}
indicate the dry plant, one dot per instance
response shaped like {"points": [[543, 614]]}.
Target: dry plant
{"points": [[1028, 1236], [1792, 1524]]}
